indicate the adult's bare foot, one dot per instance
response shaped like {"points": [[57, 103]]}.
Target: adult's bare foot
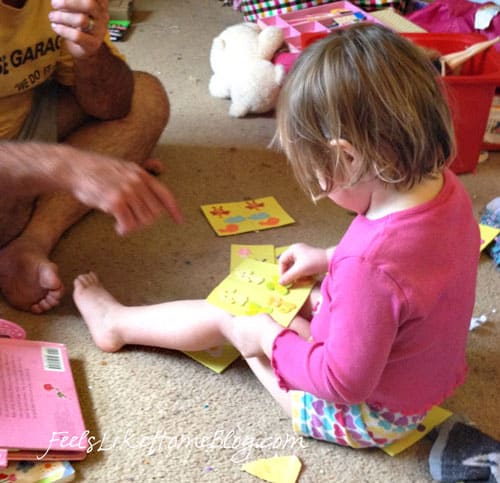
{"points": [[96, 305], [28, 279], [153, 166]]}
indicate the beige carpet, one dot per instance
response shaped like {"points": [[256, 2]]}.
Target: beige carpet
{"points": [[212, 423]]}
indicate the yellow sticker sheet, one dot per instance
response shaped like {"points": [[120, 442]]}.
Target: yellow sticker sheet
{"points": [[253, 288], [244, 216], [217, 359], [263, 253]]}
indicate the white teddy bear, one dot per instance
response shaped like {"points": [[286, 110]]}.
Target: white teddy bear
{"points": [[240, 58]]}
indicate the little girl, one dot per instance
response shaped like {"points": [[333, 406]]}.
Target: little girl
{"points": [[363, 121]]}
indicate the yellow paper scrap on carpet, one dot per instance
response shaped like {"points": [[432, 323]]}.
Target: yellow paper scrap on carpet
{"points": [[488, 234], [435, 416], [279, 469], [244, 216]]}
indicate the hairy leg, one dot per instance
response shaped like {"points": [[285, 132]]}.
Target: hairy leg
{"points": [[133, 137], [28, 279], [187, 325]]}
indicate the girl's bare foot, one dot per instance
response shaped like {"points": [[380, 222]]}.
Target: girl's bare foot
{"points": [[97, 307], [28, 279]]}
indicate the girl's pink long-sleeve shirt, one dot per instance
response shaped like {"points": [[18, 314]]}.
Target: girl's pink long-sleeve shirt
{"points": [[396, 307]]}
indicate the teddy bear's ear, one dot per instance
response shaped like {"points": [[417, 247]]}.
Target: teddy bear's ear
{"points": [[279, 74], [218, 43], [269, 41]]}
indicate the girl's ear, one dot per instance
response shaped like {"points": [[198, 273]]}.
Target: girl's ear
{"points": [[350, 153]]}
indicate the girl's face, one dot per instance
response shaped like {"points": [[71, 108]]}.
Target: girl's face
{"points": [[357, 198]]}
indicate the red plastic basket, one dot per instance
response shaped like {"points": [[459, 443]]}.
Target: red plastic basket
{"points": [[470, 94]]}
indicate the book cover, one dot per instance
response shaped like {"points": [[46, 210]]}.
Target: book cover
{"points": [[31, 472], [40, 414]]}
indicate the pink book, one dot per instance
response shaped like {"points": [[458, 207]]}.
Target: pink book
{"points": [[40, 415]]}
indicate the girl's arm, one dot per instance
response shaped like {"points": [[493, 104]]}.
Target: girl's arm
{"points": [[353, 336]]}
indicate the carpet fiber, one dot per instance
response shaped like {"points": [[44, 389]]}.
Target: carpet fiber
{"points": [[156, 415]]}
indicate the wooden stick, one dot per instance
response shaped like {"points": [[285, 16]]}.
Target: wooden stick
{"points": [[310, 18], [322, 16], [454, 60]]}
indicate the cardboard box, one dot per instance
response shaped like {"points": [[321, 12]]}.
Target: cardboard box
{"points": [[121, 9]]}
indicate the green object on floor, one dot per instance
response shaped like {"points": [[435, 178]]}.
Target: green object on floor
{"points": [[118, 29]]}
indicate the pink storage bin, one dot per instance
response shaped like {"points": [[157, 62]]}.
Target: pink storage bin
{"points": [[301, 27], [306, 33], [288, 30]]}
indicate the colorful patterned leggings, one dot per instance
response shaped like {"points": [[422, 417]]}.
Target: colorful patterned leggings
{"points": [[357, 426]]}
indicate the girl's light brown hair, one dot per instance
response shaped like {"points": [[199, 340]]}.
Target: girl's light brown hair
{"points": [[378, 91]]}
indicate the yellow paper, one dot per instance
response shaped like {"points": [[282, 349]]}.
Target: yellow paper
{"points": [[279, 250], [263, 253], [488, 234], [217, 359], [253, 288], [434, 417], [244, 216], [280, 469]]}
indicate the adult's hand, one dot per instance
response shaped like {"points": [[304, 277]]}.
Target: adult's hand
{"points": [[82, 23], [123, 190]]}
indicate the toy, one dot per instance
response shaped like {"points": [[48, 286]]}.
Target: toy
{"points": [[491, 217], [240, 58]]}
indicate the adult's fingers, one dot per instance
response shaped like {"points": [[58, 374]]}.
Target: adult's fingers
{"points": [[165, 198], [141, 203], [94, 8]]}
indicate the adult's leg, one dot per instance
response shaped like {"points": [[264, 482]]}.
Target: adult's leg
{"points": [[28, 279]]}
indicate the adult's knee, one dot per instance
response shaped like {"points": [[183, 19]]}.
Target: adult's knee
{"points": [[151, 101]]}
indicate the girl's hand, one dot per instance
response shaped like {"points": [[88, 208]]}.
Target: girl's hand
{"points": [[253, 336], [301, 260]]}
